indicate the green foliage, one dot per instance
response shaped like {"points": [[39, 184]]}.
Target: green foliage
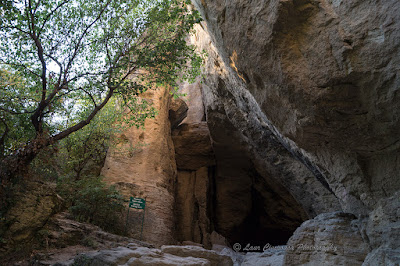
{"points": [[68, 70], [15, 126], [75, 162], [67, 58], [83, 152], [87, 148], [92, 201]]}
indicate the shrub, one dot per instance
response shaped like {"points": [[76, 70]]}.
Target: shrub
{"points": [[92, 201]]}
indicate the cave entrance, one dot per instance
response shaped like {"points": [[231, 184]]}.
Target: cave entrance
{"points": [[258, 228], [251, 209]]}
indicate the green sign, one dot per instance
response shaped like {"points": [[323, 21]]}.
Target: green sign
{"points": [[137, 203]]}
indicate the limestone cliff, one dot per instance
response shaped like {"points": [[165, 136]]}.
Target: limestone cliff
{"points": [[296, 118], [325, 76], [308, 92], [143, 165]]}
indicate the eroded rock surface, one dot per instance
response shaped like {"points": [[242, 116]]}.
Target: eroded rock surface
{"points": [[297, 115], [383, 232], [328, 239], [136, 254], [261, 187], [304, 95], [192, 145], [323, 76], [143, 165], [36, 202], [193, 222]]}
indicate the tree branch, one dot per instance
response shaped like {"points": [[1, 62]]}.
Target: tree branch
{"points": [[36, 7], [14, 112], [50, 14], [66, 82], [77, 45], [61, 69], [37, 117], [85, 122], [90, 95], [97, 108], [21, 65], [16, 28]]}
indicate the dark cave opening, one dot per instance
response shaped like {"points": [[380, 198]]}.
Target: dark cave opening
{"points": [[232, 196], [254, 211], [258, 228]]}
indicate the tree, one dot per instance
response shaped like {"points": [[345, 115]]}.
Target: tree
{"points": [[63, 60], [83, 152]]}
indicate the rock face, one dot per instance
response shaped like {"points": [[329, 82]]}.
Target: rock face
{"points": [[193, 222], [36, 202], [177, 112], [297, 115], [328, 239], [306, 95], [383, 232], [195, 163], [262, 191], [219, 188], [324, 78], [193, 148], [143, 165]]}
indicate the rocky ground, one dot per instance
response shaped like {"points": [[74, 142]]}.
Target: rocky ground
{"points": [[69, 242], [329, 239]]}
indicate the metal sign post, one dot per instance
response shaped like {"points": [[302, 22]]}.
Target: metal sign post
{"points": [[137, 203], [144, 211]]}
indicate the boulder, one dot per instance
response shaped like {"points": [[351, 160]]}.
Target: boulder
{"points": [[328, 239], [177, 112], [271, 257], [383, 232]]}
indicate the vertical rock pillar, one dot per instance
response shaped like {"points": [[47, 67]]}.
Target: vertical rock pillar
{"points": [[142, 165]]}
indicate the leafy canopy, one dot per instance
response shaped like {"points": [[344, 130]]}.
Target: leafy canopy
{"points": [[61, 61]]}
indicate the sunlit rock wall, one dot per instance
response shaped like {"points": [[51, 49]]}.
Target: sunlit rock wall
{"points": [[142, 164]]}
